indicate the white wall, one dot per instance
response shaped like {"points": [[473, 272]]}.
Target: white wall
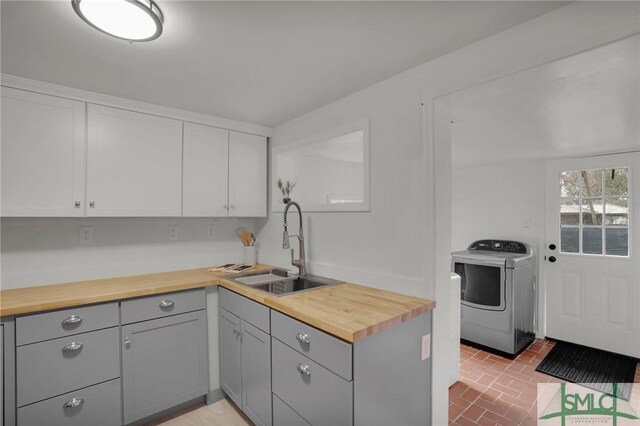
{"points": [[38, 251], [388, 247], [504, 201]]}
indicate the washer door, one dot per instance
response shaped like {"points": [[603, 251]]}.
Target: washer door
{"points": [[482, 283]]}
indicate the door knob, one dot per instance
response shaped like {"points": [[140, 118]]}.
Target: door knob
{"points": [[552, 259], [552, 246]]}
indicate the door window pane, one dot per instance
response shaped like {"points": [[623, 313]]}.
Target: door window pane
{"points": [[592, 240], [570, 184], [617, 241], [570, 211], [617, 211], [591, 183], [592, 211], [569, 240], [616, 181]]}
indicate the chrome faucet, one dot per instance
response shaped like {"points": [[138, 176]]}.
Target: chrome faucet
{"points": [[301, 262]]}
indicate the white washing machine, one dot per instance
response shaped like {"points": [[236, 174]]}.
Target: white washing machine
{"points": [[497, 294]]}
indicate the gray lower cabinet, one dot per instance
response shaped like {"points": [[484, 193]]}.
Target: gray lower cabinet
{"points": [[7, 372], [283, 415], [164, 363], [319, 395], [64, 360], [230, 356], [321, 380], [245, 355], [58, 366], [97, 405], [256, 377]]}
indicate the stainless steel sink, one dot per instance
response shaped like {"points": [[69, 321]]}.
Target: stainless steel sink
{"points": [[278, 281]]}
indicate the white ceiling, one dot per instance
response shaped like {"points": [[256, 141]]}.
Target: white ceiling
{"points": [[261, 62], [585, 104]]}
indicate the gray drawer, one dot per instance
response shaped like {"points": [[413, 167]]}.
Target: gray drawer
{"points": [[97, 405], [327, 350], [321, 397], [283, 415], [45, 370], [162, 305], [51, 325], [252, 312]]}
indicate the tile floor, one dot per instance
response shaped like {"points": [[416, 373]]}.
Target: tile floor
{"points": [[494, 390]]}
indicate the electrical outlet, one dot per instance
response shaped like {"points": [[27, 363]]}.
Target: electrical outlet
{"points": [[211, 231], [426, 347], [86, 235], [173, 233]]}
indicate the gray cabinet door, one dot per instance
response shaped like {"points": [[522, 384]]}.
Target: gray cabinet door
{"points": [[230, 355], [164, 363], [97, 405], [256, 374], [1, 375]]}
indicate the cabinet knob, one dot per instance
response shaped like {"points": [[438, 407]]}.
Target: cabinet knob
{"points": [[166, 304], [75, 402], [72, 347], [127, 341], [76, 204], [304, 369], [303, 338], [73, 319], [92, 204]]}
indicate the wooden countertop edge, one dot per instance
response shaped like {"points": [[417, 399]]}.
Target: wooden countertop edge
{"points": [[138, 287], [35, 307]]}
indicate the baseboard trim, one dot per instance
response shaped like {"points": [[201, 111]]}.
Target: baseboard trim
{"points": [[215, 396]]}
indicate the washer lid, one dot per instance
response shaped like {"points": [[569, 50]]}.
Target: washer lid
{"points": [[512, 254]]}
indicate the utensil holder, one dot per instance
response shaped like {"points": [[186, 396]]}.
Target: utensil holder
{"points": [[250, 255]]}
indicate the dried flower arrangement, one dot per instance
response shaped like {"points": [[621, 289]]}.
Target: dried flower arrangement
{"points": [[286, 188]]}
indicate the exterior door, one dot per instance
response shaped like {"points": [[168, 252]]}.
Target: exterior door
{"points": [[592, 255]]}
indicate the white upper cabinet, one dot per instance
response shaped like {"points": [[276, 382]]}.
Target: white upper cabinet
{"points": [[134, 164], [205, 174], [247, 175], [43, 155]]}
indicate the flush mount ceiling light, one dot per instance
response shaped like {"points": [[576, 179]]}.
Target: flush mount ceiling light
{"points": [[132, 20]]}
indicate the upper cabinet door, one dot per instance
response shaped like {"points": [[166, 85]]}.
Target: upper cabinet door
{"points": [[43, 155], [205, 174], [134, 164], [247, 175]]}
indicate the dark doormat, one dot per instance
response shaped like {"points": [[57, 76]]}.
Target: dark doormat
{"points": [[594, 368]]}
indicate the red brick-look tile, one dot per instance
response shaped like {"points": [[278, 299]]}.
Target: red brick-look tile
{"points": [[495, 390]]}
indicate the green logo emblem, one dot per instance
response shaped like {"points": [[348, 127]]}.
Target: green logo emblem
{"points": [[594, 403]]}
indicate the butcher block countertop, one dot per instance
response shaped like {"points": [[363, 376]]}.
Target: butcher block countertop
{"points": [[348, 311]]}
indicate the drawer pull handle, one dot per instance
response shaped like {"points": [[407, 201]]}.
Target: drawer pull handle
{"points": [[74, 403], [74, 346], [73, 319], [303, 338], [166, 304], [304, 369]]}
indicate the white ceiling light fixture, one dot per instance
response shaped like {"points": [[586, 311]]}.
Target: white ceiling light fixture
{"points": [[132, 20]]}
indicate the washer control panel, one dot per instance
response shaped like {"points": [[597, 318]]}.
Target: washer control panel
{"points": [[500, 246]]}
